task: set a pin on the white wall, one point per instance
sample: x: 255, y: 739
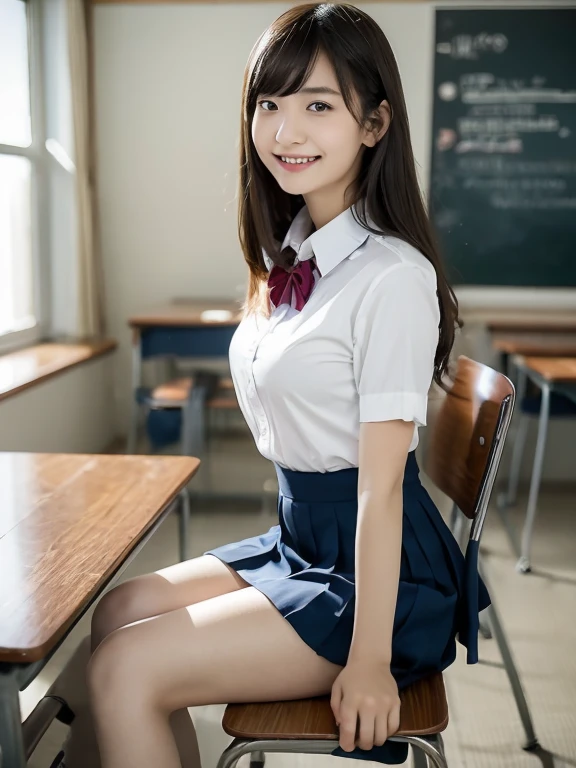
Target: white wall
x: 70, y: 413
x: 168, y: 82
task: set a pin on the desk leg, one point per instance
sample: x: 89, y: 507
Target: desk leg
x: 508, y: 498
x: 136, y: 383
x: 11, y: 741
x: 523, y: 565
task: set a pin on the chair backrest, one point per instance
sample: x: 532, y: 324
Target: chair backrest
x: 467, y: 438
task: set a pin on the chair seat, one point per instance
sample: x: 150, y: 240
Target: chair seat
x: 173, y: 392
x: 225, y: 397
x: 223, y: 400
x: 424, y: 711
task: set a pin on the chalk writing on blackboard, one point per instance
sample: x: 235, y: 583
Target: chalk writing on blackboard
x: 503, y: 183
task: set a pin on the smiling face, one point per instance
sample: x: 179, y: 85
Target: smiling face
x: 309, y: 141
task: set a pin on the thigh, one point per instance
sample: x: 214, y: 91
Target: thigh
x: 235, y: 647
x: 168, y: 589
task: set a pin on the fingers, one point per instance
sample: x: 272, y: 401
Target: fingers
x: 367, y: 728
x: 381, y: 729
x: 366, y: 731
x: 394, y: 718
x: 348, y: 722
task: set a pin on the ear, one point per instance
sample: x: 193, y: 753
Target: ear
x: 377, y: 124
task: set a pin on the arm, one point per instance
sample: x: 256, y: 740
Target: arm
x: 366, y: 690
x: 395, y: 339
x: 383, y: 451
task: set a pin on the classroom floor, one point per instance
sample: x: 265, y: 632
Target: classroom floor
x: 538, y: 612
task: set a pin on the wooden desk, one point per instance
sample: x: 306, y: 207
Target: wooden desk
x: 534, y: 324
x: 551, y: 375
x: 185, y: 313
x: 542, y: 344
x: 551, y: 369
x: 69, y: 525
x: 183, y: 329
x: 523, y: 320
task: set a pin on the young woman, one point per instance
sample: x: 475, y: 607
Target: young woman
x: 360, y: 588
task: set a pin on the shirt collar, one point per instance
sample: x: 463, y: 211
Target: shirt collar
x: 330, y: 244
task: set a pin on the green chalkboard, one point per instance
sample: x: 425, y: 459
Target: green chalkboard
x: 503, y: 171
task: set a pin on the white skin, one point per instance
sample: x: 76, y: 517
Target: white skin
x: 195, y: 633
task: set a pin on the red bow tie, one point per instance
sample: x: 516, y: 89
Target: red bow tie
x: 298, y: 283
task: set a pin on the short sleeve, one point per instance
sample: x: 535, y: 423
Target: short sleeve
x: 395, y: 341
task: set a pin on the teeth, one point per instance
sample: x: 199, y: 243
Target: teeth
x: 297, y: 160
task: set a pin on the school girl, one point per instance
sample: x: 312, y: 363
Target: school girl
x: 360, y: 589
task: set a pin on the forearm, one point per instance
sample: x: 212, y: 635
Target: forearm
x: 378, y: 550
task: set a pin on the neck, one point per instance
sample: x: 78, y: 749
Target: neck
x: 327, y: 203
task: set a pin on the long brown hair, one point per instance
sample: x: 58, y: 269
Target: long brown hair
x: 387, y: 188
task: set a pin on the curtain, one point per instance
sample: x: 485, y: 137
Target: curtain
x: 90, y: 288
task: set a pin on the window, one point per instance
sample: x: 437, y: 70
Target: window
x: 20, y: 172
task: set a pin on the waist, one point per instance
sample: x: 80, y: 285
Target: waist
x: 341, y: 485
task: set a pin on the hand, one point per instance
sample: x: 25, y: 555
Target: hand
x: 366, y: 705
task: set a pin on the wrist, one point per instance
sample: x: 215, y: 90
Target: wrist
x: 373, y: 657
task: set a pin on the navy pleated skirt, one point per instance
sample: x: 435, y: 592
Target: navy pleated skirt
x: 305, y: 566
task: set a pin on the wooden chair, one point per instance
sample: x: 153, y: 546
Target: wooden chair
x: 188, y: 395
x: 464, y: 453
x: 195, y: 397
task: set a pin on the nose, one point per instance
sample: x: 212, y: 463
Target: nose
x: 290, y: 131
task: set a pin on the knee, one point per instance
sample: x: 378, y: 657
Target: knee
x: 122, y: 677
x: 121, y: 606
x: 113, y: 672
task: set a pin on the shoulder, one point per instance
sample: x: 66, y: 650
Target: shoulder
x: 385, y: 259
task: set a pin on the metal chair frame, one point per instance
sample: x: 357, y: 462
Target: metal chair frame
x: 492, y: 628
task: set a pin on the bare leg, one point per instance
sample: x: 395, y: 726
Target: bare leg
x: 150, y: 595
x: 232, y: 648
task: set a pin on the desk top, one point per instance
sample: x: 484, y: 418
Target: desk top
x: 186, y: 313
x: 537, y: 344
x: 533, y: 322
x: 560, y: 369
x: 67, y: 522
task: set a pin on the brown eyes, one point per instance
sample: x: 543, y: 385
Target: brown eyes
x: 270, y: 106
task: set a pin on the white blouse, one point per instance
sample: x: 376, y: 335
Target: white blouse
x: 361, y: 349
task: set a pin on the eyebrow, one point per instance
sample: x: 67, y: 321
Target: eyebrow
x: 321, y: 89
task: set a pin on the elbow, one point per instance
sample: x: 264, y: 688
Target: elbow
x: 383, y: 493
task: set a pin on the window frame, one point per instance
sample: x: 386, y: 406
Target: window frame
x: 39, y: 218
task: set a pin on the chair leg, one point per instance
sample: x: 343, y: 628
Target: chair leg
x: 431, y: 746
x: 136, y: 365
x: 257, y: 760
x: 184, y: 524
x: 511, y: 495
x: 485, y: 629
x: 419, y: 759
x: 523, y: 565
x: 193, y: 425
x: 513, y: 677
x: 234, y: 751
x: 132, y: 441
